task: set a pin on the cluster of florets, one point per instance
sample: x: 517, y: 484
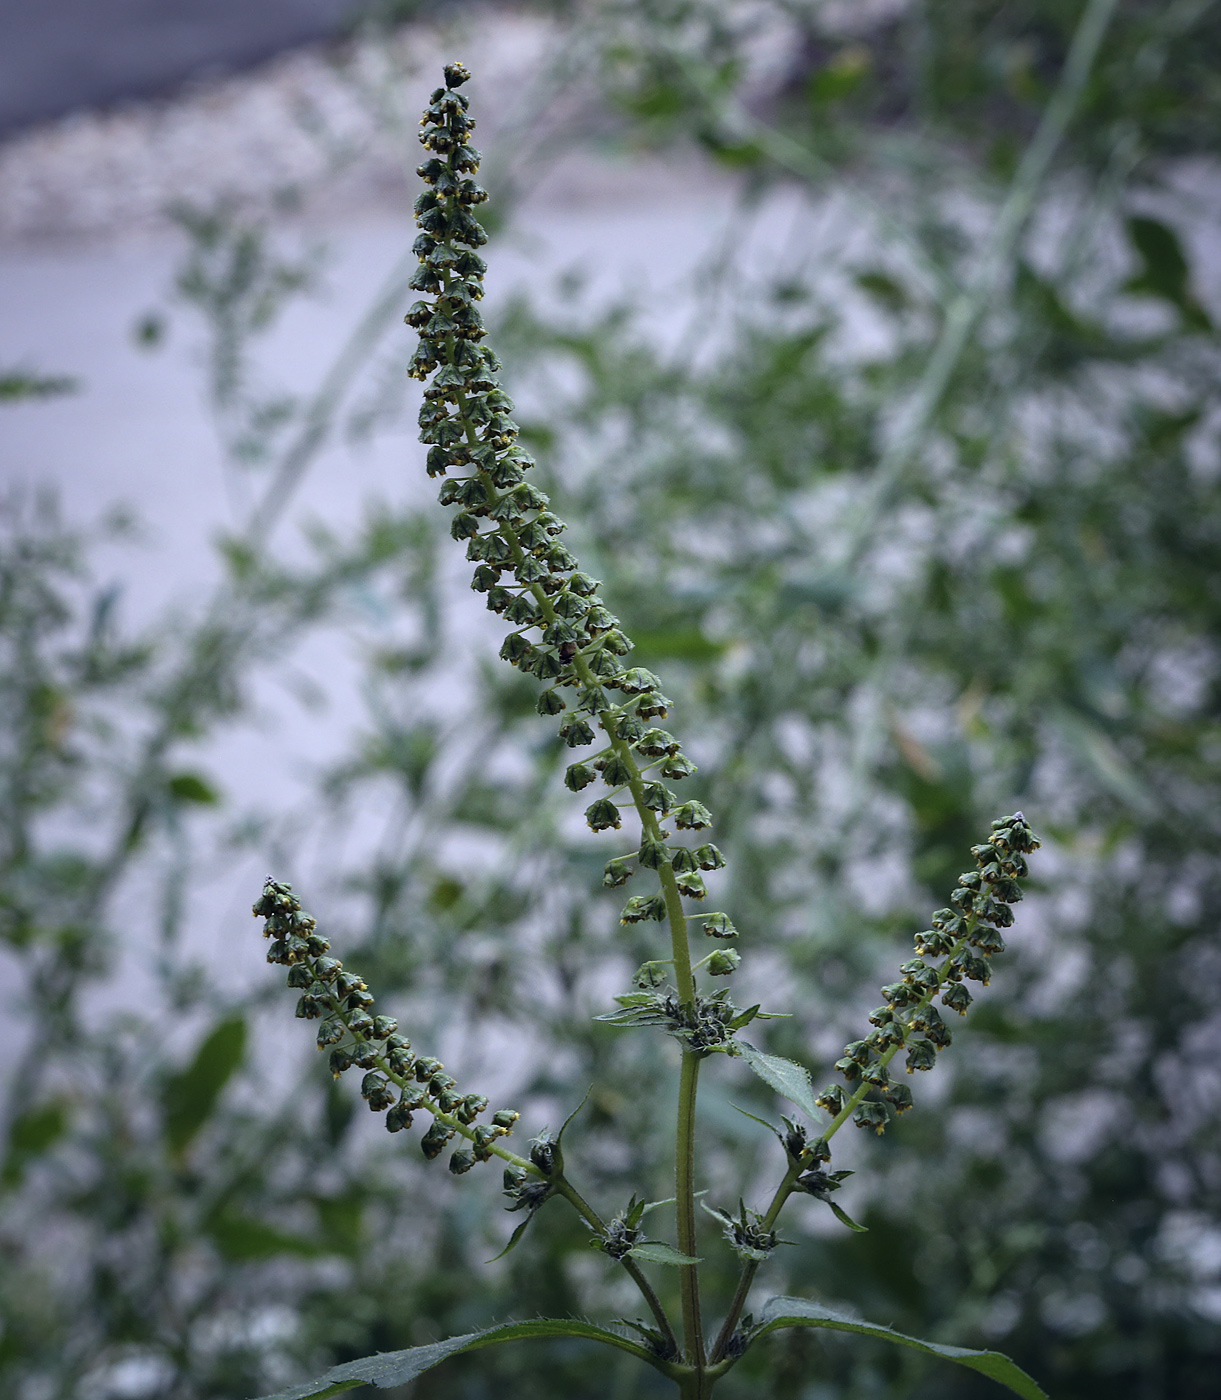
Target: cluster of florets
x: 747, y: 1232
x: 564, y: 635
x: 965, y: 937
x: 397, y: 1081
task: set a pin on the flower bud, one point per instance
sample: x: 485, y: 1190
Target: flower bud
x: 472, y: 1106
x: 505, y: 1118
x: 618, y: 872
x: 461, y: 1162
x: 872, y: 1115
x: 550, y: 702
x: 724, y: 962
x: 677, y: 768
x: 831, y: 1100
x: 603, y: 814
x: 920, y: 1055
x: 653, y: 854
x: 641, y: 907
x: 691, y: 885
x: 398, y: 1118
x: 578, y: 776
x: 657, y: 798
x: 899, y: 1096
x: 719, y: 926
x: 330, y: 1033
x: 650, y: 975
x: 432, y: 1144
x: 957, y: 998
x: 692, y: 816
x: 575, y: 731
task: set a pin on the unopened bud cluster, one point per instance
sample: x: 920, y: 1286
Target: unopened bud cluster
x: 564, y: 634
x: 396, y: 1080
x: 965, y: 938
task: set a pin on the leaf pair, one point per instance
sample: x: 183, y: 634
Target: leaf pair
x: 394, y: 1368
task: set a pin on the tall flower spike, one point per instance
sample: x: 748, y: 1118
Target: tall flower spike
x: 964, y: 937
x: 356, y: 1038
x: 565, y: 635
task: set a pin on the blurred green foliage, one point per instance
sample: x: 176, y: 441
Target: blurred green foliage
x: 1030, y: 617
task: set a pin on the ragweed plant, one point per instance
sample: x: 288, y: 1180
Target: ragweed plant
x: 565, y: 636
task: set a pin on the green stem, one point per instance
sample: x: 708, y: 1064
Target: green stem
x: 566, y: 1189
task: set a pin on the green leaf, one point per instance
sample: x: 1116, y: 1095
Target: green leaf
x: 801, y: 1312
x: 190, y: 787
x: 191, y: 1095
x: 390, y: 1368
x: 785, y: 1076
x: 661, y: 1254
x: 514, y: 1237
x: 845, y: 1219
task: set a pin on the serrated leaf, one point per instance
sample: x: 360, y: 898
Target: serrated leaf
x: 661, y: 1254
x: 785, y: 1076
x: 392, y: 1368
x: 801, y: 1312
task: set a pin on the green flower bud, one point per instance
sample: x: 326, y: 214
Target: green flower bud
x: 691, y: 885
x: 515, y: 648
x: 327, y: 969
x: 360, y: 1022
x: 692, y: 816
x: 398, y: 1118
x: 638, y: 681
x: 578, y: 775
x: 957, y: 998
x: 650, y: 975
x: 618, y: 872
x: 472, y: 1106
x: 677, y: 768
x: 872, y: 1115
x: 505, y: 1118
x: 723, y: 962
x: 683, y: 860
x: 400, y: 1060
x: 876, y: 1074
x: 831, y: 1100
x: 709, y: 858
x: 376, y: 1090
x: 615, y: 772
x: 432, y: 1144
x: 461, y: 1162
x: 330, y: 1033
x: 576, y: 731
x: 550, y: 702
x: 384, y: 1026
x: 654, y: 705
x: 719, y: 926
x: 426, y: 1066
x: 849, y: 1068
x: 658, y: 798
x: 641, y: 907
x: 653, y: 854
x: 920, y: 1055
x: 603, y: 814
x: 899, y: 1096
x: 656, y: 743
x: 340, y: 1060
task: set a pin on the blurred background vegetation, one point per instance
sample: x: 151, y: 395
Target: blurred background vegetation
x: 918, y: 524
